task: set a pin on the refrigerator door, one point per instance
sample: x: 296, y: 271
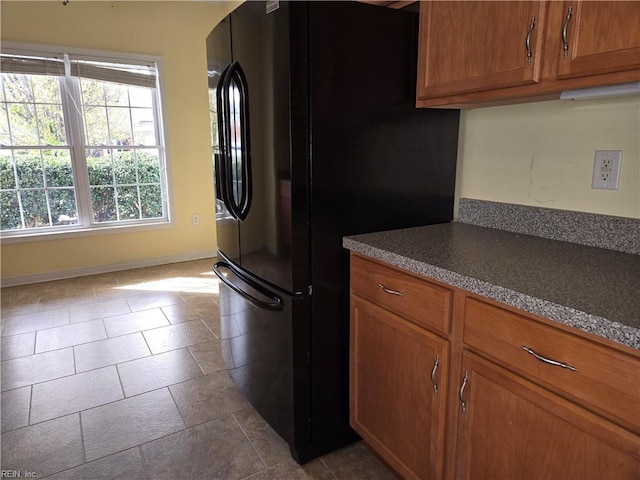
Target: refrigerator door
x: 261, y: 47
x: 218, y: 59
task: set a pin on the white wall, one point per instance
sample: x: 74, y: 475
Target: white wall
x: 542, y: 154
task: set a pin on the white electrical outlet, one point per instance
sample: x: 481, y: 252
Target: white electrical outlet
x: 606, y: 169
x: 195, y: 219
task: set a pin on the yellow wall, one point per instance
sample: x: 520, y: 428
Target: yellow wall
x: 176, y: 31
x: 535, y: 154
x: 542, y: 154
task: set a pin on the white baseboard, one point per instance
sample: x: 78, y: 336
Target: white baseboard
x: 116, y: 267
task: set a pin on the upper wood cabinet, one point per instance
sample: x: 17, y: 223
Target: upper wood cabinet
x: 601, y: 37
x: 475, y: 53
x: 474, y: 46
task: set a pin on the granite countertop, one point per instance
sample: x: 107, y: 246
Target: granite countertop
x: 593, y: 289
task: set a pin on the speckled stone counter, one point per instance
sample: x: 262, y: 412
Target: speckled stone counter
x: 594, y: 230
x: 592, y: 289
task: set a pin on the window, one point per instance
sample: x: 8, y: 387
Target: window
x: 80, y: 143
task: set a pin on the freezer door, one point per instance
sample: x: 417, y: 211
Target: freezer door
x: 259, y: 346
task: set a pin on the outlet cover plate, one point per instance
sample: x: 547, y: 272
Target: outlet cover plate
x: 606, y: 169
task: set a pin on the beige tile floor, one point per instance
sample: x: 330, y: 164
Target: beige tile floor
x: 120, y: 376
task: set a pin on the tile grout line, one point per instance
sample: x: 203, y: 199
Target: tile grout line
x: 124, y: 395
x: 30, y: 405
x: 194, y: 359
x: 209, y: 328
x: 233, y: 415
x: 84, y: 450
x: 328, y: 468
x: 178, y: 408
x: 197, y: 362
x: 144, y: 462
x: 75, y: 366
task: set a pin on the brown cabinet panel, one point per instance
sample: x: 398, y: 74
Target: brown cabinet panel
x: 473, y: 53
x: 601, y: 38
x: 605, y: 379
x: 574, y: 415
x: 514, y: 429
x: 422, y: 302
x: 394, y: 406
x: 473, y: 46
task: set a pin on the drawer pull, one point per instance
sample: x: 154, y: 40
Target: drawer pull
x: 528, y: 40
x: 549, y: 361
x: 463, y: 404
x: 391, y: 292
x: 565, y: 42
x: 433, y: 375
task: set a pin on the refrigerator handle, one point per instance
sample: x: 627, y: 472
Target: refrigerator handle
x: 220, y: 164
x: 217, y: 165
x: 236, y: 134
x: 247, y: 192
x: 276, y: 305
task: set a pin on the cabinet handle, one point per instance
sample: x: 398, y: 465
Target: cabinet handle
x: 565, y: 42
x: 391, y: 292
x: 463, y: 404
x: 549, y: 361
x: 528, y: 41
x: 433, y: 375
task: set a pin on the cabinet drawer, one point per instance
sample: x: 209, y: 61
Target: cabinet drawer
x: 424, y: 303
x: 602, y: 378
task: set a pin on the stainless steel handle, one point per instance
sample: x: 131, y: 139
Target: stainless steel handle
x: 433, y: 375
x: 528, y: 41
x: 565, y: 42
x: 391, y: 292
x: 463, y: 404
x: 549, y: 361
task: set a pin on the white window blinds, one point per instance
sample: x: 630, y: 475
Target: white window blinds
x: 136, y: 74
x: 139, y: 74
x: 32, y: 65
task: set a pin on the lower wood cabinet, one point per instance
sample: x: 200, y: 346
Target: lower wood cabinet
x: 510, y: 427
x: 398, y: 389
x: 501, y: 394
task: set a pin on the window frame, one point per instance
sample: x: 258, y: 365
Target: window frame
x: 77, y: 143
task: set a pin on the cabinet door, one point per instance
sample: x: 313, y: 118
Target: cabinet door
x: 394, y: 405
x: 473, y: 46
x: 514, y: 429
x: 601, y: 37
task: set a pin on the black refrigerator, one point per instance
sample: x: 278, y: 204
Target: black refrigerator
x: 315, y: 136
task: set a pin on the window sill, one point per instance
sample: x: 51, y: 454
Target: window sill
x: 84, y: 232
